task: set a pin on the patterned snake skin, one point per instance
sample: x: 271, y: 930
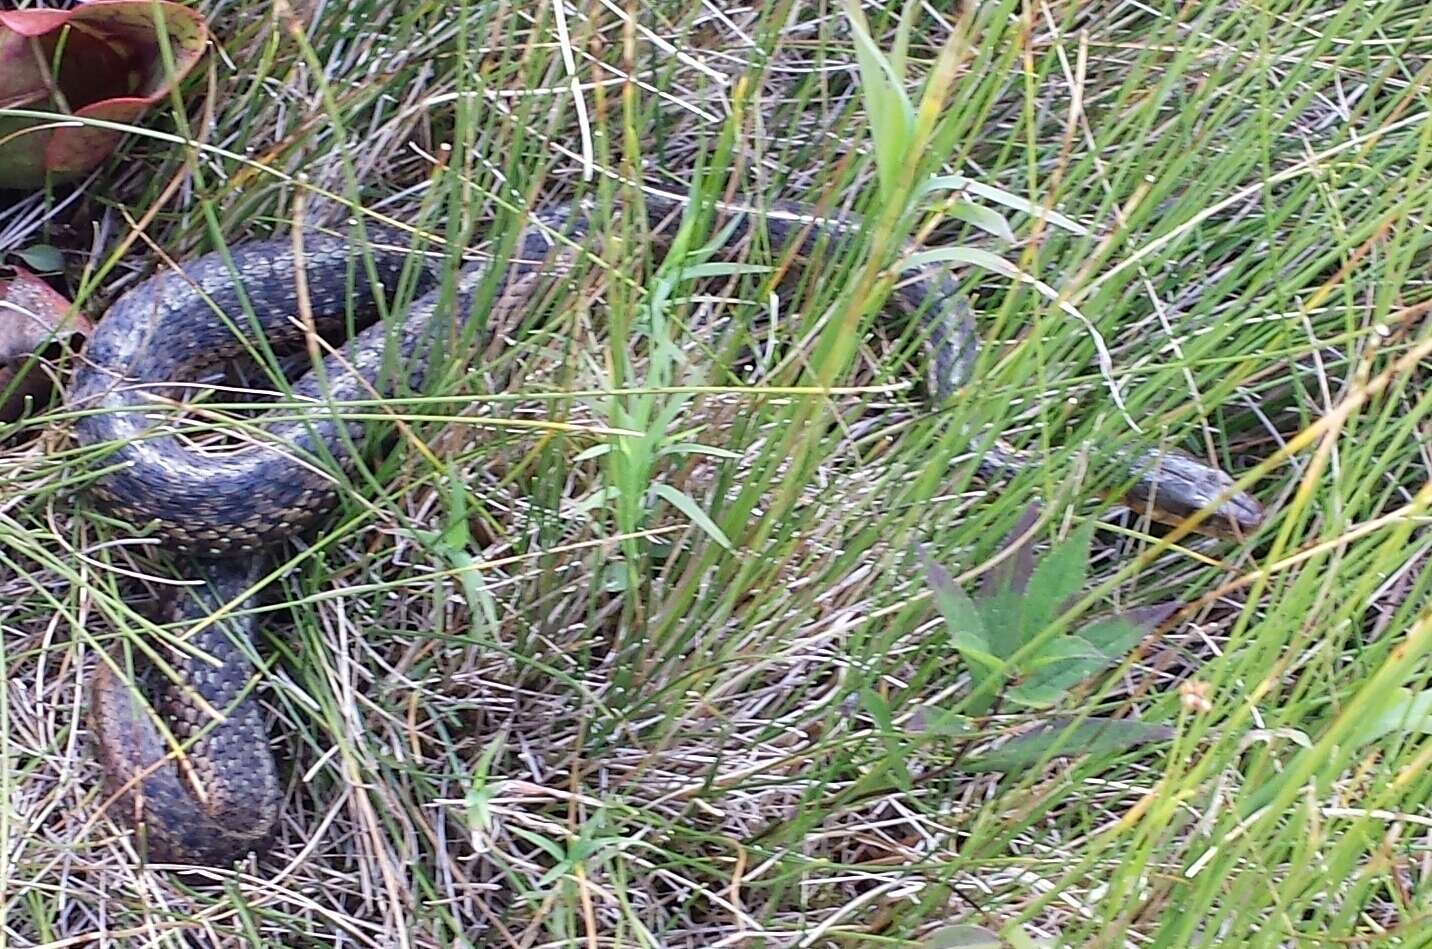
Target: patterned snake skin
x: 218, y: 798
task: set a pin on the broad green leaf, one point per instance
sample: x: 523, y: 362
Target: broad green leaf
x: 1058, y: 576
x: 1403, y: 711
x: 42, y: 258
x: 962, y: 618
x: 1112, y: 637
x: 613, y: 577
x: 1001, y: 618
x: 1069, y: 661
x: 1037, y: 694
x: 961, y: 615
x: 929, y: 720
x: 976, y: 652
x: 1063, y: 737
x: 1016, y: 563
x: 1115, y: 636
x: 1064, y: 649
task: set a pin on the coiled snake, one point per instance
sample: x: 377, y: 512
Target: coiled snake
x: 209, y: 792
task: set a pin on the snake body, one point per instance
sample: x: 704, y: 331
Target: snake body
x: 208, y: 793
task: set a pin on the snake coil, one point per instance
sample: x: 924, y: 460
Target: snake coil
x: 208, y: 792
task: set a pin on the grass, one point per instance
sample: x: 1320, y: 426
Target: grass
x: 525, y: 696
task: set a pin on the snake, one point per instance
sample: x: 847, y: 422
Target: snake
x: 187, y: 763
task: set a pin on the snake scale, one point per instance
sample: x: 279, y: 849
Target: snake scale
x: 208, y: 792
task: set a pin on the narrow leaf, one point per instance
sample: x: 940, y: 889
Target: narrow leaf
x: 986, y: 219
x: 693, y: 512
x: 887, y: 105
x: 1093, y: 736
x: 878, y: 708
x: 596, y: 499
x: 480, y: 791
x: 900, y: 51
x: 893, y: 768
x: 963, y: 937
x: 696, y: 448
x: 722, y: 269
x: 1004, y: 198
x: 985, y: 260
x: 596, y: 451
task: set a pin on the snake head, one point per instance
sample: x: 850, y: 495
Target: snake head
x: 1173, y: 485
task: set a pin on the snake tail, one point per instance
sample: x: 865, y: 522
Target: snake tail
x: 179, y: 792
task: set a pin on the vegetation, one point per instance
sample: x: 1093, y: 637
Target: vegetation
x: 647, y: 632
